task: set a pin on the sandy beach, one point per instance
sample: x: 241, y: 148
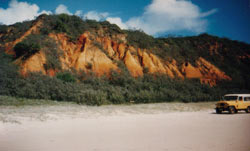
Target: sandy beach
x: 151, y: 127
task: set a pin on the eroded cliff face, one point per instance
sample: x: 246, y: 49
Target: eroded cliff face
x: 205, y: 71
x: 100, y: 54
x: 35, y: 63
x: 84, y: 55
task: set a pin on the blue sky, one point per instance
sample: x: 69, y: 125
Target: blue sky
x: 224, y: 18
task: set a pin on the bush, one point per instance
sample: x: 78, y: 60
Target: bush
x: 16, y: 30
x: 26, y: 49
x: 66, y: 77
x: 91, y: 97
x: 116, y: 95
x: 140, y: 39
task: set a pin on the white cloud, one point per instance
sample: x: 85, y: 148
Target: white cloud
x: 117, y: 21
x: 162, y: 16
x: 45, y: 12
x: 78, y: 13
x: 170, y: 15
x: 18, y: 12
x: 96, y: 15
x: 208, y: 13
x: 62, y: 9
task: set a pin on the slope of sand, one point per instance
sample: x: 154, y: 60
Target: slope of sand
x: 152, y: 127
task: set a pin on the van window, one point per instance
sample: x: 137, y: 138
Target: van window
x: 240, y: 98
x: 230, y: 98
x: 247, y: 98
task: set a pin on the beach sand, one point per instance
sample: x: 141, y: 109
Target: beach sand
x: 152, y: 127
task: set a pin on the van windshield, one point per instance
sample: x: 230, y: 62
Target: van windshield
x: 230, y: 98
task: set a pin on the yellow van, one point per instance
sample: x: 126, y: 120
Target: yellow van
x: 233, y: 103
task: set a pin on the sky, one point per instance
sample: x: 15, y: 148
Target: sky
x: 223, y: 18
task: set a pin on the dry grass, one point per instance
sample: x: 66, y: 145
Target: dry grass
x: 46, y: 110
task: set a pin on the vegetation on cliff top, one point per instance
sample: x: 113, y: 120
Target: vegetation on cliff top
x: 74, y: 26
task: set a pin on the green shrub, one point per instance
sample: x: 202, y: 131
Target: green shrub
x: 12, y: 32
x: 66, y: 77
x: 94, y: 98
x: 60, y: 26
x: 44, y: 31
x: 3, y: 29
x: 26, y: 49
x: 111, y: 28
x: 140, y: 39
x: 116, y: 95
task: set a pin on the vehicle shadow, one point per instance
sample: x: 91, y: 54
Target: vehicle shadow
x: 227, y: 113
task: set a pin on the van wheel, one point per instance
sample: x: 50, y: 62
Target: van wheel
x: 248, y: 109
x: 218, y: 111
x: 232, y: 109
